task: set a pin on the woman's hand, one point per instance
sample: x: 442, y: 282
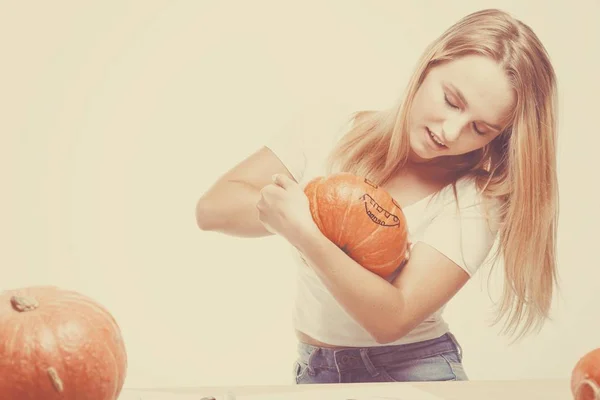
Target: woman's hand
x: 284, y: 210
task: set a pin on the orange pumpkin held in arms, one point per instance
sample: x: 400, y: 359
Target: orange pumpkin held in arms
x: 362, y: 219
x: 585, y: 378
x: 58, y: 344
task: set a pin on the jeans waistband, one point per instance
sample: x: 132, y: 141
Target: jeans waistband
x: 353, y: 357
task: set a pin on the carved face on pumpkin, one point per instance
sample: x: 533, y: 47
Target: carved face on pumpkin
x: 461, y: 106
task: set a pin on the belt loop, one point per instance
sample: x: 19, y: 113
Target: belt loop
x: 313, y: 352
x: 364, y: 355
x: 457, y: 344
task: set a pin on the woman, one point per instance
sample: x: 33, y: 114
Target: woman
x: 469, y: 154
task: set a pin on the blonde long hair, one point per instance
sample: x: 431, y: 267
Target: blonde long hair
x: 518, y: 168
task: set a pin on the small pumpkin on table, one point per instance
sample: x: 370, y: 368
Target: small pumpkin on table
x: 58, y: 344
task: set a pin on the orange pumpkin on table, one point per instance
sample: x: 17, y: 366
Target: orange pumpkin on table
x: 58, y: 344
x: 585, y: 377
x: 362, y: 219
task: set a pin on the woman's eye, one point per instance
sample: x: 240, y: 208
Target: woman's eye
x: 449, y: 103
x: 477, y: 130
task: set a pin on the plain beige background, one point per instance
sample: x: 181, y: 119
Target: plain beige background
x: 115, y: 116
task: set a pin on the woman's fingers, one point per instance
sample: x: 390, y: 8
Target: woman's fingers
x: 283, y: 181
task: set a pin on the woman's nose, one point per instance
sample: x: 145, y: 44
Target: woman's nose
x: 453, y: 127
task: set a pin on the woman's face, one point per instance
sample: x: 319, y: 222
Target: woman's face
x: 461, y: 106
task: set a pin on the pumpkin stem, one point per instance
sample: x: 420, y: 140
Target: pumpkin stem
x: 56, y: 381
x: 23, y: 303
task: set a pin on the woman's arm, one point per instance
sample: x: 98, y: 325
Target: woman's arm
x: 229, y: 206
x: 386, y: 310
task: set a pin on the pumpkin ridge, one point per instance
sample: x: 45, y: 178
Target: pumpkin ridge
x: 316, y: 197
x: 85, y: 306
x: 313, y: 201
x: 368, y: 237
x: 392, y: 265
x: 378, y: 251
x: 379, y: 227
x: 99, y: 309
x: 113, y: 367
x: 375, y: 231
x: 65, y: 377
x: 341, y: 231
x: 16, y: 336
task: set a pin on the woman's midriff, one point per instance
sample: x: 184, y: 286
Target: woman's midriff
x: 304, y: 338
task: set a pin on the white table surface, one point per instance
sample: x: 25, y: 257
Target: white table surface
x: 552, y: 389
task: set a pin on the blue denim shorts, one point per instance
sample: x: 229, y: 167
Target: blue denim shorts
x: 437, y: 359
